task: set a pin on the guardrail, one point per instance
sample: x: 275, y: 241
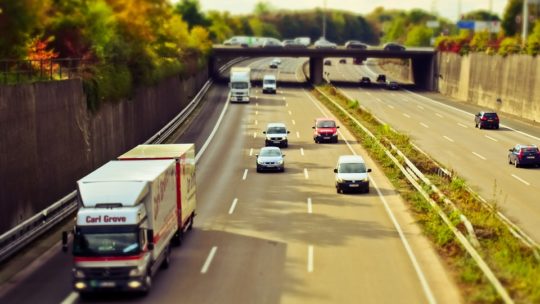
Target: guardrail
x: 24, y: 233
x: 413, y: 175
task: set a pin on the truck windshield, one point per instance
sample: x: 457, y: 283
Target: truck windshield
x: 106, y: 241
x: 239, y: 85
x: 269, y: 81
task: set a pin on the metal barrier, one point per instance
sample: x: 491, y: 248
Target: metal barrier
x: 24, y: 233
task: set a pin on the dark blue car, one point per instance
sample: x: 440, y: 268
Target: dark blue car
x: 524, y: 155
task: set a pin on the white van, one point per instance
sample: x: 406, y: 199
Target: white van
x: 351, y: 174
x: 269, y: 84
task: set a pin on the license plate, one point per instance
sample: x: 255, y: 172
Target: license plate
x: 107, y: 284
x: 353, y: 185
x: 327, y: 137
x: 530, y: 157
x: 276, y: 141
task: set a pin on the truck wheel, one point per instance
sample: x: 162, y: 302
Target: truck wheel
x: 167, y: 260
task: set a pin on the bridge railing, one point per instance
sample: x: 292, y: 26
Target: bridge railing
x: 21, y: 71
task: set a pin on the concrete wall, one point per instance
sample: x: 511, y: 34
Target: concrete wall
x: 48, y: 139
x: 482, y: 79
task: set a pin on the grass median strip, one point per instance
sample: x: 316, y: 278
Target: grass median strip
x: 514, y: 264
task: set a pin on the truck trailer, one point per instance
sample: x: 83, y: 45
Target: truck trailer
x: 240, y: 84
x: 184, y: 157
x: 125, y: 225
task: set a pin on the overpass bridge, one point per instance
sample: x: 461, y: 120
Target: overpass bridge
x: 423, y: 60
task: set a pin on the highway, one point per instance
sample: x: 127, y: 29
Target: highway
x: 277, y: 237
x: 445, y: 130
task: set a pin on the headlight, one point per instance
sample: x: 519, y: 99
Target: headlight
x: 136, y: 272
x: 259, y: 162
x: 77, y: 273
x: 280, y: 162
x: 339, y: 180
x: 365, y: 179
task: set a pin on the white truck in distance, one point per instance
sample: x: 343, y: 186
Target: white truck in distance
x: 124, y: 226
x: 240, y: 84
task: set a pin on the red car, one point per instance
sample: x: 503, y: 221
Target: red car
x: 325, y: 130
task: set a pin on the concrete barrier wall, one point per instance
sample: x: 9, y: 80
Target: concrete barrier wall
x: 506, y: 84
x: 48, y: 139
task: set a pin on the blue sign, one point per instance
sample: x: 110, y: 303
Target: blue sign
x: 465, y: 24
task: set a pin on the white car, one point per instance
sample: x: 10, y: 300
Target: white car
x: 270, y: 159
x: 269, y: 84
x: 351, y: 174
x: 322, y: 43
x: 276, y: 135
x: 275, y: 63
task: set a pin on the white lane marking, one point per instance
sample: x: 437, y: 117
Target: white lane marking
x: 297, y: 134
x: 209, y: 259
x: 521, y: 180
x: 283, y: 98
x: 245, y: 174
x: 393, y: 94
x: 256, y: 112
x: 290, y: 112
x: 72, y: 298
x: 310, y: 258
x: 286, y: 104
x: 309, y: 205
x: 489, y: 137
x: 256, y: 97
x: 251, y: 152
x: 480, y: 156
x: 391, y: 106
x: 254, y: 134
x: 231, y: 210
x: 448, y: 138
x: 369, y: 94
x: 462, y: 125
x: 424, y: 125
x: 256, y: 104
x: 213, y: 133
x: 256, y: 122
x: 306, y: 175
x: 378, y: 99
x: 421, y: 277
x: 439, y: 115
x: 420, y: 107
x: 406, y: 115
x: 293, y: 122
x: 302, y: 151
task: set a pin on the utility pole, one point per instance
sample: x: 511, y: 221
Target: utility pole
x: 525, y: 18
x: 324, y: 20
x: 459, y: 10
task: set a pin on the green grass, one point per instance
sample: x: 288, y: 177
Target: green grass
x: 513, y: 263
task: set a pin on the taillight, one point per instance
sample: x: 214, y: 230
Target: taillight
x: 520, y: 154
x: 483, y: 118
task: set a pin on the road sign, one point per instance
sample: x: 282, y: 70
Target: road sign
x: 432, y: 24
x: 466, y: 24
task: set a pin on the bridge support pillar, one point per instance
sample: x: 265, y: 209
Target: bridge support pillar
x: 212, y: 67
x: 425, y: 73
x: 316, y: 70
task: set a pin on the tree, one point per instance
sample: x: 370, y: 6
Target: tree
x: 480, y: 41
x: 509, y: 45
x: 533, y: 42
x: 262, y: 8
x: 512, y: 17
x: 481, y: 15
x: 190, y: 11
x: 419, y: 35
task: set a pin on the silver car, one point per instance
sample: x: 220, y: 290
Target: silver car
x: 270, y: 159
x: 322, y: 43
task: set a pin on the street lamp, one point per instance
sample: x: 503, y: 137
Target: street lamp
x: 525, y: 19
x: 324, y: 20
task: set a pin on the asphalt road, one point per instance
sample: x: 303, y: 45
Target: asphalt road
x: 277, y: 237
x: 444, y: 128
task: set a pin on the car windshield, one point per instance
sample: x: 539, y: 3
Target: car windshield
x: 490, y: 115
x: 326, y: 124
x: 270, y: 152
x: 239, y: 85
x: 530, y: 150
x: 273, y: 130
x: 352, y: 168
x: 106, y: 241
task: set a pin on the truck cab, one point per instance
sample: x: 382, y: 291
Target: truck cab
x: 269, y: 84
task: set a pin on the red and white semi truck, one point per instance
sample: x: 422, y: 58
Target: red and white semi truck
x: 125, y: 225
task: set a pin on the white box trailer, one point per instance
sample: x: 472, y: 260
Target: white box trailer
x: 240, y: 84
x: 125, y: 225
x: 184, y: 157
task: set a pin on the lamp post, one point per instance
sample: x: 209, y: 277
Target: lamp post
x: 525, y: 18
x: 324, y: 20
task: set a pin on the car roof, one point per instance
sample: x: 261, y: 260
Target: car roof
x: 350, y: 159
x: 275, y: 124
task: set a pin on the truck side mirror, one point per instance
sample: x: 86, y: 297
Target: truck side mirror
x: 150, y: 238
x: 288, y: 132
x: 64, y: 241
x: 335, y: 170
x: 313, y: 127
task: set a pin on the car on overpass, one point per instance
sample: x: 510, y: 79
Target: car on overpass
x: 272, y: 43
x: 486, y: 120
x: 524, y: 155
x: 322, y: 43
x: 293, y: 44
x: 392, y: 85
x: 328, y: 62
x: 355, y: 44
x: 270, y: 159
x: 392, y: 46
x: 365, y: 81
